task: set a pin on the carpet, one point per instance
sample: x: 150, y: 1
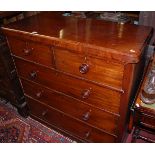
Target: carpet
x: 16, y: 129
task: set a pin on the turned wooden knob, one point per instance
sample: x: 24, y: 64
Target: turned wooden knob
x: 33, y: 74
x: 84, y: 68
x: 87, y: 134
x: 39, y: 94
x: 27, y: 51
x: 86, y: 116
x: 44, y: 112
x: 85, y: 93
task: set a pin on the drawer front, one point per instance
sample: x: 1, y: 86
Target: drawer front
x: 100, y: 71
x: 98, y: 96
x: 75, y: 108
x: 148, y: 120
x: 32, y: 51
x: 67, y: 124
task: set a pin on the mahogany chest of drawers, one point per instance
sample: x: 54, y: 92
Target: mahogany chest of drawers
x: 10, y: 88
x: 79, y: 75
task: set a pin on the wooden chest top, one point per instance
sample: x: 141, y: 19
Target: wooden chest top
x: 94, y: 37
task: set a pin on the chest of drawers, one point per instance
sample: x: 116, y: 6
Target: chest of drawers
x: 79, y: 75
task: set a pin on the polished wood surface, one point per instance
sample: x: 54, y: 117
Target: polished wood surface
x: 69, y: 124
x: 86, y: 69
x: 72, y: 107
x: 98, y: 70
x: 116, y: 42
x: 32, y: 51
x: 99, y: 96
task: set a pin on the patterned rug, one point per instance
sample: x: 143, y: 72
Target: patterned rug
x: 15, y: 129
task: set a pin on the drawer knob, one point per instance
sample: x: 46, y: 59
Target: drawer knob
x: 84, y: 68
x: 44, y: 112
x: 86, y: 116
x: 86, y: 93
x: 27, y: 51
x: 39, y: 94
x: 87, y: 134
x: 33, y: 74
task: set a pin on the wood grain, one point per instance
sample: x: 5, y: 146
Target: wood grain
x: 82, y: 65
x: 73, y: 87
x: 32, y: 51
x: 94, y: 37
x: 72, y: 126
x: 72, y: 107
x: 100, y: 71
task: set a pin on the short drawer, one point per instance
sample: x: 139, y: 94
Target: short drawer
x: 32, y: 51
x: 68, y: 124
x: 101, y: 71
x: 73, y: 107
x: 101, y: 97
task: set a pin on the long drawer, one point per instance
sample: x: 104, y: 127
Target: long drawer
x: 96, y: 95
x: 32, y: 51
x: 75, y: 108
x: 101, y: 71
x: 68, y: 124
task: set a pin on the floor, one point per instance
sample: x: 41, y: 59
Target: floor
x: 16, y: 129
